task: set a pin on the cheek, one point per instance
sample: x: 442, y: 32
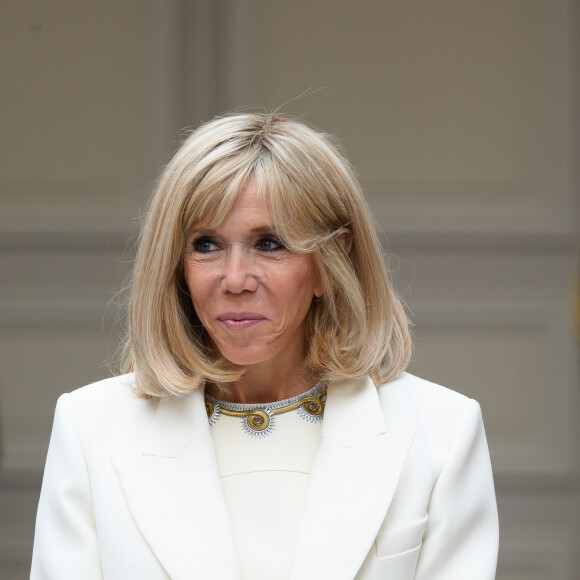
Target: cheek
x: 308, y: 278
x: 199, y: 284
x: 298, y: 287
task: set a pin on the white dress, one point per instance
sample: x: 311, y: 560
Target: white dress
x: 264, y: 476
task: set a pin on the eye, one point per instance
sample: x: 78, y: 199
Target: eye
x: 269, y: 244
x: 204, y: 245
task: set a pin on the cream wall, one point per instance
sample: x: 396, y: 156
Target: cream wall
x: 461, y: 118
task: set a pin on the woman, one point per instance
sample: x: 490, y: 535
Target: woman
x: 265, y: 428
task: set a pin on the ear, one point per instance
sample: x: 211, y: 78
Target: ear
x: 344, y: 236
x: 318, y: 289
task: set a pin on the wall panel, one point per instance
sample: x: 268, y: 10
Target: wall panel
x: 456, y: 113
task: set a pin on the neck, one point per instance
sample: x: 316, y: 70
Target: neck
x: 264, y: 386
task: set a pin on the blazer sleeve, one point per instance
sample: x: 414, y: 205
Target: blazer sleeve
x: 461, y: 540
x: 65, y: 541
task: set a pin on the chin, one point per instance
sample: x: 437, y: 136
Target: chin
x: 244, y: 358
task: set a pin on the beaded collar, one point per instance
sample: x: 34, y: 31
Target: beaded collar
x: 258, y: 420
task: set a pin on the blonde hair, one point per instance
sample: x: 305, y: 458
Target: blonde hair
x: 357, y: 328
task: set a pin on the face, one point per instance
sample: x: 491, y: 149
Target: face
x: 251, y: 293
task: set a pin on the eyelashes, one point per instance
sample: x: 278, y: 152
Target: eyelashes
x: 266, y: 244
x: 269, y: 244
x: 204, y: 245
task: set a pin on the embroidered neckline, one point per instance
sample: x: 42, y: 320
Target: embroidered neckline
x: 258, y: 420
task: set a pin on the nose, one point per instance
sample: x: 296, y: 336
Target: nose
x: 238, y: 276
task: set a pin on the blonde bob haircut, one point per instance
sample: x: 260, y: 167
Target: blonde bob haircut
x: 357, y: 328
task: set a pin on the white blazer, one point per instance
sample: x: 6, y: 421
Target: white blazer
x: 401, y: 489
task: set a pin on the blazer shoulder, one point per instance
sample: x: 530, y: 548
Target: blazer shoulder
x: 431, y: 409
x: 422, y: 390
x: 110, y: 398
x: 118, y: 387
x: 107, y: 412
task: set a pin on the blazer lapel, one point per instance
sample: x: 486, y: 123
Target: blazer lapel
x: 174, y: 493
x: 353, y: 479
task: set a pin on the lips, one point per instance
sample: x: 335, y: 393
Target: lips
x: 240, y: 320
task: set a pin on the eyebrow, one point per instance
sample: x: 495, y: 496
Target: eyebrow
x: 263, y: 229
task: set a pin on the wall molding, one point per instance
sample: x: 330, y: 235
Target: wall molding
x: 533, y: 434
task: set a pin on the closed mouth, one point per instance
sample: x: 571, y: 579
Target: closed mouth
x: 240, y: 320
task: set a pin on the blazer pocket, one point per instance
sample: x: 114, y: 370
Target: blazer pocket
x: 391, y: 542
